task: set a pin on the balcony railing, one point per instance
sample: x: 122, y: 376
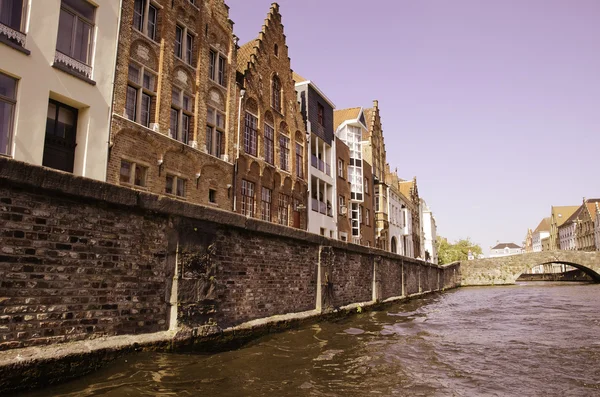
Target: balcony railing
x: 74, y: 64
x: 320, y: 165
x: 12, y: 34
x: 322, y: 207
x: 327, y: 169
x: 313, y: 161
x: 315, y: 205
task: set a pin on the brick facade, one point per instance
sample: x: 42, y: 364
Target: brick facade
x: 270, y: 103
x: 343, y: 188
x: 175, y: 82
x: 368, y: 227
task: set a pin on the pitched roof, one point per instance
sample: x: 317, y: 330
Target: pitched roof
x: 501, y: 246
x: 298, y: 78
x: 592, y: 210
x: 368, y: 116
x: 406, y: 187
x: 563, y: 213
x: 339, y: 116
x: 244, y: 54
x: 544, y: 226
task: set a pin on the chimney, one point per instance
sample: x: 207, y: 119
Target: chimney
x: 375, y: 103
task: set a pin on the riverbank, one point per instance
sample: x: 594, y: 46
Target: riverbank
x: 36, y: 367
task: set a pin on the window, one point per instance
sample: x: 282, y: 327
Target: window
x: 340, y: 168
x: 276, y: 94
x: 276, y: 50
x: 299, y: 161
x: 320, y: 112
x: 284, y: 152
x: 175, y: 185
x: 284, y: 204
x: 11, y: 16
x: 141, y: 90
x: 184, y: 44
x: 181, y: 115
x: 215, y: 131
x: 144, y: 18
x: 132, y: 174
x: 265, y: 205
x: 75, y: 35
x: 342, y: 203
x: 212, y: 196
x: 61, y: 134
x: 360, y: 214
x: 367, y: 217
x: 250, y: 134
x: 8, y: 100
x: 269, y: 144
x: 216, y: 67
x: 247, y: 198
x: 366, y: 186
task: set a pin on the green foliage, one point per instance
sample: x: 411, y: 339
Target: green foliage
x: 459, y: 251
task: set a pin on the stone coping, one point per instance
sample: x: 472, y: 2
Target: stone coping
x: 42, y: 179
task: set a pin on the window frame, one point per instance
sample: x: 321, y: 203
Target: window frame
x: 182, y: 113
x: 18, y: 35
x: 284, y: 152
x: 283, y: 209
x: 141, y: 90
x: 175, y: 185
x: 217, y: 67
x: 269, y: 143
x: 340, y: 168
x: 215, y: 139
x: 248, y: 200
x: 133, y: 172
x: 78, y: 18
x: 184, y: 48
x: 266, y: 202
x: 276, y: 93
x: 145, y: 19
x: 12, y: 102
x: 299, y: 160
x: 250, y: 134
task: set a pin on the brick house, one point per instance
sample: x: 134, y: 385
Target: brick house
x: 344, y: 229
x: 174, y: 108
x: 374, y: 153
x: 270, y: 176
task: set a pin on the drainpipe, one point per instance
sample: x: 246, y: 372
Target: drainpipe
x: 237, y: 155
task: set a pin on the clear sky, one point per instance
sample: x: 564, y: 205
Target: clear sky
x: 493, y: 105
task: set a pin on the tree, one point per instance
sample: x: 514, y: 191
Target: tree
x: 459, y: 251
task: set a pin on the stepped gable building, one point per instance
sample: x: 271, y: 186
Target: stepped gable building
x: 57, y: 61
x: 270, y: 177
x: 374, y: 153
x: 174, y: 108
x: 410, y: 190
x: 585, y: 225
x: 317, y: 112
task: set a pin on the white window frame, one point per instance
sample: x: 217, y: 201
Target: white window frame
x: 11, y: 122
x: 12, y: 32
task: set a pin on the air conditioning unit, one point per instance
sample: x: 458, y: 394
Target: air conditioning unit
x: 343, y: 210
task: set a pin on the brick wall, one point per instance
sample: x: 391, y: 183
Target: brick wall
x: 81, y: 259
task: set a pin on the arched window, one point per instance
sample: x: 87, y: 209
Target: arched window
x: 394, y: 248
x: 276, y: 50
x: 276, y: 94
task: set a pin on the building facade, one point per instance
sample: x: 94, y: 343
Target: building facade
x: 350, y: 125
x: 174, y: 112
x: 558, y: 216
x: 429, y: 236
x: 57, y: 64
x: 528, y: 243
x: 317, y: 112
x: 343, y: 191
x: 585, y: 232
x: 410, y: 190
x: 541, y: 232
x: 271, y: 165
x: 505, y: 249
x: 374, y: 153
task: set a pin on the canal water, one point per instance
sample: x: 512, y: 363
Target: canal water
x: 531, y: 339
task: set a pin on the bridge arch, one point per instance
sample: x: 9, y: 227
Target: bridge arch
x: 506, y: 269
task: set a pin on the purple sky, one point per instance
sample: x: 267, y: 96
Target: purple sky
x: 493, y: 105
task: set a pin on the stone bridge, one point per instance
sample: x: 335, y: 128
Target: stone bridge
x: 506, y: 269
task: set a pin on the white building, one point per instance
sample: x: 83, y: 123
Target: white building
x: 395, y: 221
x: 429, y: 233
x: 505, y: 249
x: 541, y: 232
x: 406, y: 226
x: 317, y: 111
x: 597, y: 228
x: 350, y: 131
x: 57, y: 66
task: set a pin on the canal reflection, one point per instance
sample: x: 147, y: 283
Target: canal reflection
x: 536, y: 339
